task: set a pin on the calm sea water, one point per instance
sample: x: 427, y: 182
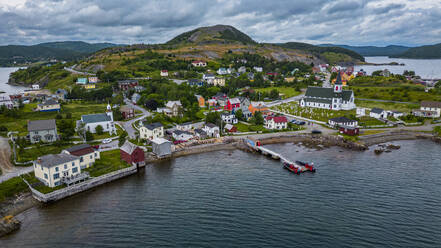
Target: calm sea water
x: 237, y: 199
x: 4, y: 77
x: 426, y: 68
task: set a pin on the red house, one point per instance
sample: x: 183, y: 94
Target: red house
x: 351, y: 131
x: 232, y: 104
x: 132, y: 154
x: 127, y: 84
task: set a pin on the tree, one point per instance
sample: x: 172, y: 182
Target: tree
x: 99, y: 129
x: 213, y: 117
x: 66, y: 128
x: 377, y: 73
x: 257, y: 118
x: 274, y: 94
x: 89, y: 136
x: 151, y: 104
x: 239, y: 114
x: 122, y: 138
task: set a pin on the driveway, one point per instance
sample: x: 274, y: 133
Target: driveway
x: 127, y: 125
x: 8, y: 169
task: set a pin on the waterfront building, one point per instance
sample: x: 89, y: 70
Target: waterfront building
x: 42, y: 130
x: 55, y: 169
x: 182, y: 135
x: 201, y: 134
x: 276, y: 122
x: 132, y: 154
x: 229, y: 118
x: 351, y: 131
x: 329, y: 98
x: 161, y: 147
x: 429, y: 109
x: 151, y: 130
x: 105, y: 120
x: 187, y: 126
x: 211, y: 130
x: 378, y: 113
x: 48, y: 105
x: 86, y: 153
x: 342, y: 121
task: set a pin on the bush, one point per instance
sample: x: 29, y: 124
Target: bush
x: 99, y: 130
x: 3, y: 129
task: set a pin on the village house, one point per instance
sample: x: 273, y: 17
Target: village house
x: 201, y: 101
x: 187, y: 126
x: 6, y: 101
x: 61, y: 94
x: 208, y: 77
x: 276, y: 122
x: 151, y: 131
x: 175, y: 108
x: 182, y: 135
x: 195, y: 82
x: 42, y: 130
x: 48, y: 105
x: 218, y: 81
x: 164, y: 73
x: 230, y: 128
x: 378, y: 113
x: 229, y: 118
x: 127, y: 112
x: 242, y: 69
x: 360, y: 112
x: 223, y: 71
x: 35, y: 87
x: 55, y: 169
x: 211, y: 102
x: 199, y: 63
x: 132, y: 154
x: 127, y: 84
x: 221, y: 99
x: 200, y: 134
x: 135, y: 98
x: 329, y: 98
x: 429, y: 109
x: 105, y: 120
x: 93, y: 80
x: 258, y: 69
x: 342, y: 121
x: 257, y: 107
x: 233, y: 104
x: 85, y: 152
x: 161, y: 147
x: 81, y: 81
x: 139, y: 88
x: 211, y: 130
x: 89, y: 86
x: 395, y: 114
x: 351, y: 131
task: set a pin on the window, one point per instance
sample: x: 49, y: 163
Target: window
x: 81, y: 160
x: 73, y: 164
x: 45, y: 176
x: 56, y: 176
x: 90, y: 156
x: 74, y: 169
x: 57, y: 183
x: 96, y: 155
x: 65, y: 166
x: 56, y: 168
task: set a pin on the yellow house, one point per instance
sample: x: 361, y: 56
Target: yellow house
x: 49, y: 105
x: 201, y: 101
x: 289, y: 79
x: 89, y: 86
x: 54, y: 169
x: 85, y: 152
x: 219, y: 81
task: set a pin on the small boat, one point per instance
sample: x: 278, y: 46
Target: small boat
x: 309, y: 167
x: 291, y: 168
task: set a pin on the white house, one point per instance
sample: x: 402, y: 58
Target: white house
x: 429, y: 109
x: 276, y: 122
x: 208, y: 77
x: 182, y: 135
x: 395, y: 114
x: 164, y: 73
x: 378, y: 113
x: 361, y: 111
x: 218, y: 81
x: 342, y: 121
x: 211, y: 130
x: 222, y: 71
x: 199, y: 63
x: 258, y: 69
x: 242, y: 69
x: 329, y: 98
x: 35, y: 87
x: 105, y: 120
x: 85, y: 152
x: 151, y: 131
x: 187, y: 126
x: 229, y: 118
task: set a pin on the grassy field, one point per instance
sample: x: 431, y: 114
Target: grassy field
x: 286, y: 91
x: 313, y: 113
x: 369, y: 121
x: 370, y: 132
x: 37, y: 151
x: 38, y: 185
x: 109, y: 161
x: 402, y: 93
x: 402, y: 107
x: 26, y: 114
x: 249, y: 128
x: 12, y: 187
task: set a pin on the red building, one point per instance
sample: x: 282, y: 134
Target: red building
x: 127, y: 84
x: 127, y: 112
x: 351, y: 131
x: 232, y: 104
x: 132, y: 154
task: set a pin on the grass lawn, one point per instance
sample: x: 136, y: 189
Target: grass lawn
x: 369, y: 121
x: 286, y: 91
x: 402, y: 107
x: 77, y: 109
x: 401, y: 92
x: 38, y: 185
x: 37, y: 151
x: 370, y: 132
x: 12, y: 187
x: 106, y: 135
x: 324, y: 115
x: 248, y: 128
x: 109, y: 161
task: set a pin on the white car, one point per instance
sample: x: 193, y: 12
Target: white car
x: 106, y: 141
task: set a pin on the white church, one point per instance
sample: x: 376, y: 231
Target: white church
x: 104, y: 120
x: 329, y: 98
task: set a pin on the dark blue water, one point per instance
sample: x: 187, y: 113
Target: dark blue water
x: 237, y: 199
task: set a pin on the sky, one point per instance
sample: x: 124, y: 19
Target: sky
x: 352, y: 22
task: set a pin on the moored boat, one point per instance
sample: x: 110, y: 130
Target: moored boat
x: 308, y: 166
x: 291, y: 168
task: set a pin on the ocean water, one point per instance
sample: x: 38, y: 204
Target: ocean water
x: 426, y: 68
x: 238, y: 199
x: 4, y: 77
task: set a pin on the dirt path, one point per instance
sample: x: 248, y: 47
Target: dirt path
x: 5, y: 156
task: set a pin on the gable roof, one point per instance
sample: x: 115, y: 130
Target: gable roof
x: 39, y: 125
x: 338, y: 80
x: 377, y: 110
x: 234, y: 100
x: 92, y: 118
x: 55, y: 159
x: 128, y: 147
x: 151, y: 126
x: 80, y: 150
x: 170, y: 104
x: 342, y: 119
x: 210, y: 125
x: 327, y: 93
x: 48, y: 102
x: 277, y: 119
x: 430, y: 104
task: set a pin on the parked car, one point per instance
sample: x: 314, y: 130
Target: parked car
x: 301, y: 123
x: 315, y: 131
x: 107, y: 141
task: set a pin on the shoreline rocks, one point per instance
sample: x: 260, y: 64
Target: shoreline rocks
x: 9, y: 224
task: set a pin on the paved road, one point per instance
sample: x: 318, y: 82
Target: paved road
x: 379, y: 100
x: 127, y: 125
x: 287, y: 100
x: 69, y: 69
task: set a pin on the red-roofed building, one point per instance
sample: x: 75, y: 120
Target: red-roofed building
x: 276, y: 122
x: 199, y: 63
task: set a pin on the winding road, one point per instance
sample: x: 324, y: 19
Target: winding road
x: 127, y: 125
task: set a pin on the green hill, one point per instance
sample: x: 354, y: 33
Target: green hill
x: 78, y: 46
x: 391, y: 50
x: 422, y: 52
x: 212, y: 34
x: 325, y: 52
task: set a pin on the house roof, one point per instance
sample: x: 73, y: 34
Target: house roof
x: 234, y: 100
x: 338, y: 80
x: 80, y: 150
x: 210, y: 125
x: 41, y: 125
x: 342, y: 119
x: 55, y: 159
x: 327, y: 93
x: 151, y: 126
x: 128, y: 147
x: 430, y: 104
x: 186, y: 123
x: 200, y: 131
x: 127, y: 81
x: 229, y: 126
x: 93, y: 118
x: 160, y: 141
x: 49, y: 102
x: 179, y: 132
x: 170, y: 104
x: 318, y: 100
x: 277, y: 119
x: 125, y: 108
x: 377, y: 110
x: 226, y: 114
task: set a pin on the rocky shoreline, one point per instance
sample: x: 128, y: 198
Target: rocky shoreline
x: 12, y: 207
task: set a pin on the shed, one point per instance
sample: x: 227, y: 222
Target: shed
x: 351, y: 131
x: 161, y: 147
x: 132, y: 154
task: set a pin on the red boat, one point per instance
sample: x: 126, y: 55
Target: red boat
x: 309, y: 167
x: 291, y: 168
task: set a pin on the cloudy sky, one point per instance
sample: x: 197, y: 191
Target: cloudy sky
x: 354, y: 22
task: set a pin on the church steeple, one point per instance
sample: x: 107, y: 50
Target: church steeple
x: 109, y: 111
x: 338, y: 86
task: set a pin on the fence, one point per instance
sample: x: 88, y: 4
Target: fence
x: 83, y: 186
